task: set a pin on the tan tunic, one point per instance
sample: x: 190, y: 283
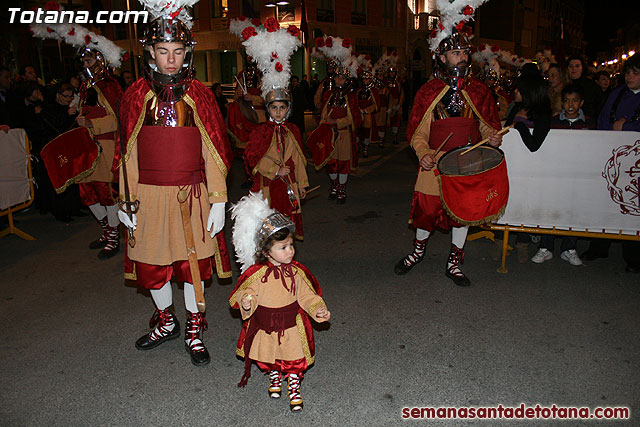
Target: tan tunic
x: 381, y: 115
x: 102, y: 125
x: 159, y: 234
x: 344, y: 122
x: 265, y: 347
x: 427, y: 183
x: 272, y: 160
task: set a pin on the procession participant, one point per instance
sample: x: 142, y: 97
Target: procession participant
x: 174, y: 165
x: 395, y: 98
x: 368, y: 100
x: 100, y: 94
x: 248, y: 108
x: 341, y: 112
x: 452, y: 102
x: 274, y: 153
x: 380, y: 117
x: 277, y: 297
x: 327, y: 84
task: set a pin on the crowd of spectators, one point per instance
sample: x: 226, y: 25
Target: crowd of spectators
x: 45, y: 112
x: 570, y: 99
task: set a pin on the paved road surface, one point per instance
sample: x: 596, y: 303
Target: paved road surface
x: 541, y: 334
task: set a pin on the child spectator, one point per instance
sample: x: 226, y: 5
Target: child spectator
x: 571, y: 117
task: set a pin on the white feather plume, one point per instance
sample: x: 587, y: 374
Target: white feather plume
x: 451, y: 14
x: 170, y: 9
x: 237, y: 26
x: 268, y: 49
x: 486, y: 54
x: 248, y: 214
x: 76, y: 35
x: 386, y: 61
x: 364, y: 63
x: 336, y: 51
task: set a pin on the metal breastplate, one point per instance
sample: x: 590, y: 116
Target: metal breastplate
x: 169, y: 115
x: 452, y: 106
x: 338, y: 99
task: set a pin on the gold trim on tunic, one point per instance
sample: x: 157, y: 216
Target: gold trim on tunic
x: 205, y: 136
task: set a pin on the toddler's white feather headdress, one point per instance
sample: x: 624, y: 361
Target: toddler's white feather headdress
x: 255, y: 221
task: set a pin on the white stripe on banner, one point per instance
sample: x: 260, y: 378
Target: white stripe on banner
x: 583, y: 179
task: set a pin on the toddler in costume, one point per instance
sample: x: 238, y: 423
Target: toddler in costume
x: 276, y: 297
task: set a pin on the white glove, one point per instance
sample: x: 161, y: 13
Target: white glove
x: 128, y: 222
x: 215, y: 223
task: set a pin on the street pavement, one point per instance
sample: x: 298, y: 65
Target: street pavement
x: 540, y: 334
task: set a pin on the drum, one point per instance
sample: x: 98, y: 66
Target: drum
x: 321, y: 142
x: 70, y: 157
x: 474, y: 187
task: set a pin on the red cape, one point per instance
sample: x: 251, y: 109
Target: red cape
x: 354, y: 108
x: 237, y: 124
x: 479, y: 93
x: 305, y: 317
x: 132, y: 106
x: 260, y: 140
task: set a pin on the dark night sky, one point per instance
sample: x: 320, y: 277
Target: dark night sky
x: 602, y: 21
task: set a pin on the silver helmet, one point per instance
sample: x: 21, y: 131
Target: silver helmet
x: 169, y: 87
x: 278, y: 94
x: 458, y: 40
x: 98, y: 69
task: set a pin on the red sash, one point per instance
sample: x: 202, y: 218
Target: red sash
x: 462, y: 128
x: 169, y: 155
x: 269, y: 320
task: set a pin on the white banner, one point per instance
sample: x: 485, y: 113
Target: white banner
x: 14, y: 175
x: 583, y: 179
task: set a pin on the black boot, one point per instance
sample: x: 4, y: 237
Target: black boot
x: 113, y: 243
x: 453, y: 272
x: 196, y: 323
x: 333, y: 190
x: 165, y: 328
x: 403, y: 266
x: 342, y: 194
x: 102, y: 241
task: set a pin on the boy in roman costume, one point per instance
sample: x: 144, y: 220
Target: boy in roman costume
x: 174, y: 165
x: 274, y: 153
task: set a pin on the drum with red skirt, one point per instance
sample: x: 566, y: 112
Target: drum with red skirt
x: 322, y: 142
x: 70, y: 157
x: 474, y: 187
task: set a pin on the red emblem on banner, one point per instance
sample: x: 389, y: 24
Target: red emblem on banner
x: 622, y: 173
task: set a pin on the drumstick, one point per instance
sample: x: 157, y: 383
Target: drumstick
x: 313, y: 189
x: 500, y: 132
x: 442, y: 145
